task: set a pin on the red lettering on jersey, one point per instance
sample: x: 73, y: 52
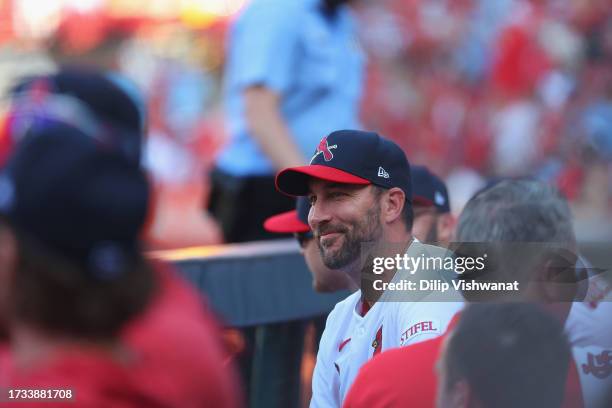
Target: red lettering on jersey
x: 418, y: 328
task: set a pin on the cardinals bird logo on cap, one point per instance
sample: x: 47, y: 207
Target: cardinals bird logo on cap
x: 324, y: 148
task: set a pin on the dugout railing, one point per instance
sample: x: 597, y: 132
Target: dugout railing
x: 259, y: 285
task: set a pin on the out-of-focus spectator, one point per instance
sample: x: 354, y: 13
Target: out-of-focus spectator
x: 519, y: 213
x: 293, y: 75
x: 79, y: 254
x: 528, y: 213
x: 76, y: 277
x: 504, y: 355
x: 175, y: 85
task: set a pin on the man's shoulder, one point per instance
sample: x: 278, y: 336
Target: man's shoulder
x: 345, y: 307
x: 337, y: 325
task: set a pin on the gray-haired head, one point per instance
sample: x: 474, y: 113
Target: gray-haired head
x: 525, y: 228
x: 517, y: 211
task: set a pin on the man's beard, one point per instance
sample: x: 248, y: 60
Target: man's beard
x: 369, y: 230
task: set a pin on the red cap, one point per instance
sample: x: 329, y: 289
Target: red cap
x: 287, y: 222
x: 298, y: 176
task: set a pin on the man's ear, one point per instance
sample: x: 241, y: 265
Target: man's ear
x: 393, y: 204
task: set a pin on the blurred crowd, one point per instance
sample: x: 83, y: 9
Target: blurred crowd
x: 475, y: 89
x: 497, y: 88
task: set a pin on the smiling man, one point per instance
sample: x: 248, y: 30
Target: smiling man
x: 360, y: 192
x: 324, y: 279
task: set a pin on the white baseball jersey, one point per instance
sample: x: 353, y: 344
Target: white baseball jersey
x: 350, y: 339
x: 589, y: 323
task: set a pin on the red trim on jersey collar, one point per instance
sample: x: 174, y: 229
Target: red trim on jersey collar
x: 344, y: 343
x: 365, y: 308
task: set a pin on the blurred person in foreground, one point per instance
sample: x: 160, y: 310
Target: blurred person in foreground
x: 433, y: 221
x: 86, y: 96
x: 512, y: 213
x: 503, y: 355
x: 294, y: 72
x: 84, y: 309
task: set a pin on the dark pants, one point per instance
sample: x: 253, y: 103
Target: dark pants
x: 242, y: 204
x: 270, y: 367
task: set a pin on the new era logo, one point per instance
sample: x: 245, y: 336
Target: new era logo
x: 439, y: 198
x: 382, y: 173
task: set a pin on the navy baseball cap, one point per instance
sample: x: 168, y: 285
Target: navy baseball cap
x: 102, y: 105
x: 64, y: 190
x: 428, y: 190
x: 293, y: 221
x: 351, y: 157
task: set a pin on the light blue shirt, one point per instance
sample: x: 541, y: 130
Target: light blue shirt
x: 313, y: 62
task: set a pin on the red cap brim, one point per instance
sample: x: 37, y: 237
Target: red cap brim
x: 285, y: 223
x: 293, y: 181
x: 422, y: 201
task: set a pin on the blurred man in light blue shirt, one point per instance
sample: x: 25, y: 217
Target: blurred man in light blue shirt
x: 294, y: 74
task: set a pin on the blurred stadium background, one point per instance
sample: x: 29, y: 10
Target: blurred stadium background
x: 473, y: 88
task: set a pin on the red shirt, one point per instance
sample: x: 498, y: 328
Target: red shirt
x: 93, y: 378
x: 406, y: 377
x: 175, y: 359
x: 400, y: 377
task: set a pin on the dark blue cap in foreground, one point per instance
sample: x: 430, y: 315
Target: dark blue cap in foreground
x: 99, y: 104
x: 75, y: 197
